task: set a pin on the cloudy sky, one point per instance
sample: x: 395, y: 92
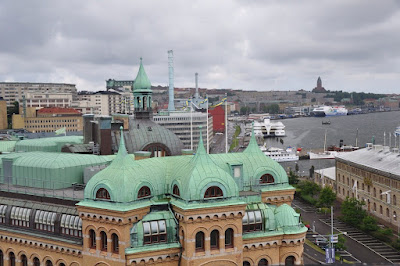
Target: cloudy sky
x: 262, y: 45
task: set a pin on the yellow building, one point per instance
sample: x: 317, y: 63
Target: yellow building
x: 3, y: 114
x: 48, y: 120
x: 372, y: 176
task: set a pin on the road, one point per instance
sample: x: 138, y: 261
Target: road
x: 356, y: 252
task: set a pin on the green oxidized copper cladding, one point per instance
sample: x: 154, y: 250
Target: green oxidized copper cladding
x: 142, y: 82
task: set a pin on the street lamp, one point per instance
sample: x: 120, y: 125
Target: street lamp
x: 398, y: 227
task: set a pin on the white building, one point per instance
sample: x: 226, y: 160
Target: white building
x: 108, y: 102
x: 13, y: 91
x: 179, y: 123
x: 47, y: 99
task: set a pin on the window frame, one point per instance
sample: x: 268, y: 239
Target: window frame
x: 103, y: 194
x: 200, y: 236
x: 213, y: 192
x: 267, y: 179
x: 214, y: 236
x: 144, y: 192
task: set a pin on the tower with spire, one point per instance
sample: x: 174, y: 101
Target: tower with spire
x: 142, y: 94
x: 319, y: 87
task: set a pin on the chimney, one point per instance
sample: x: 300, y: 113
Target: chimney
x: 87, y: 128
x: 105, y: 135
x: 196, y: 77
x: 171, y: 105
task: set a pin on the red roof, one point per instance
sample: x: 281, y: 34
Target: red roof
x: 58, y: 110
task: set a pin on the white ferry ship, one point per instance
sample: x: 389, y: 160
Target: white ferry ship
x: 280, y: 155
x: 266, y: 128
x: 323, y: 111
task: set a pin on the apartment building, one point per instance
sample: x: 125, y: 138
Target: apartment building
x: 13, y: 91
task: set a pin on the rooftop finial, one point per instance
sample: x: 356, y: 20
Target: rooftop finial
x: 141, y: 59
x: 122, y: 149
x: 253, y: 146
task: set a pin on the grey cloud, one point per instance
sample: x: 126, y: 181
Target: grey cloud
x: 236, y: 44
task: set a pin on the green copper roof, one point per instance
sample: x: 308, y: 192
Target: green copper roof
x: 288, y: 219
x: 49, y: 170
x: 116, y: 178
x: 53, y: 144
x: 192, y: 174
x: 142, y: 82
x: 201, y: 173
x: 7, y: 146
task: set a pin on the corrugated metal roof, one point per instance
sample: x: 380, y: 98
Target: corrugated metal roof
x: 379, y: 159
x: 7, y: 146
x: 53, y: 144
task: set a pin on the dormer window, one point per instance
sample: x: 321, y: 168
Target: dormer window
x: 176, y: 191
x: 154, y: 232
x: 144, y: 192
x: 267, y: 179
x: 252, y: 221
x: 213, y: 192
x: 102, y: 193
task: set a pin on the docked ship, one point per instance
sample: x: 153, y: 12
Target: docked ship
x: 323, y: 155
x: 280, y: 155
x: 266, y: 128
x: 323, y: 111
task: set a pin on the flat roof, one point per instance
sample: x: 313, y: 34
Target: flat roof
x: 328, y: 172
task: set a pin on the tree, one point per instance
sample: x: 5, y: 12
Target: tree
x: 369, y: 224
x: 340, y: 245
x: 352, y: 212
x: 312, y: 171
x: 309, y: 188
x: 326, y: 197
x: 293, y: 178
x: 14, y: 109
x: 244, y: 110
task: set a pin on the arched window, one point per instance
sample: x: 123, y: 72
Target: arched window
x: 12, y: 258
x: 200, y: 241
x: 102, y: 193
x: 213, y: 192
x: 387, y: 212
x: 246, y: 263
x: 36, y: 261
x: 92, y: 238
x: 24, y: 260
x: 176, y: 191
x: 61, y: 264
x: 49, y: 263
x: 115, y: 243
x: 1, y: 258
x: 374, y: 192
x: 395, y: 215
x: 144, y: 192
x: 263, y: 262
x: 380, y: 194
x: 214, y: 239
x: 374, y: 206
x: 380, y: 209
x: 267, y: 179
x: 229, y: 238
x: 103, y: 237
x: 290, y: 261
x: 394, y: 200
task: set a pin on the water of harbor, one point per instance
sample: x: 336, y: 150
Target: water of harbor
x: 308, y: 133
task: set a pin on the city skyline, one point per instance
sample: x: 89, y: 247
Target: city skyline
x: 257, y: 46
